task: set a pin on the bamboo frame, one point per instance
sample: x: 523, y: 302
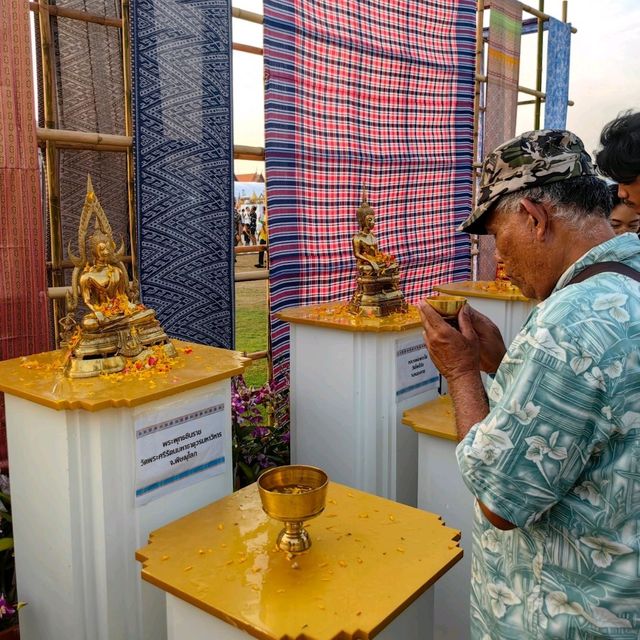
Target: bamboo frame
x: 128, y: 130
x: 249, y: 16
x: 246, y: 48
x: 539, y: 58
x: 75, y: 14
x: 51, y: 153
x: 526, y: 90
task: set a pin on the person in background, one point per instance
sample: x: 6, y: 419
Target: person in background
x: 551, y: 450
x: 619, y: 157
x: 263, y: 237
x: 623, y: 218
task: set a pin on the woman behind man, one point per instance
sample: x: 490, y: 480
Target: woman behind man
x: 623, y: 218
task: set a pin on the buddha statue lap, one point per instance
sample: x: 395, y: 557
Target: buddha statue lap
x: 116, y: 326
x: 378, y: 280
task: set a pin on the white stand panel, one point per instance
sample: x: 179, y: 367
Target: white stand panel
x: 441, y: 490
x: 75, y: 524
x: 345, y: 416
x: 184, y: 621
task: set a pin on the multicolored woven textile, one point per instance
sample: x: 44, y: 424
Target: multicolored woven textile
x: 184, y: 157
x: 90, y: 97
x: 365, y: 93
x: 23, y: 284
x: 503, y: 69
x: 557, y: 89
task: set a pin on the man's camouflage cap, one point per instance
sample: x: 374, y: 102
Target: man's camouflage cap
x: 532, y: 159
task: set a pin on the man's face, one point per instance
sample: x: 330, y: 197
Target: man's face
x: 515, y: 249
x: 630, y: 193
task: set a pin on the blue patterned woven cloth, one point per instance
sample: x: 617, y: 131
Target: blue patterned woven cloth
x: 558, y: 54
x: 184, y: 165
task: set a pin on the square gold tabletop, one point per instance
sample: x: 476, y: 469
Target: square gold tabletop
x: 369, y: 559
x: 435, y: 418
x: 39, y: 378
x: 482, y: 289
x: 334, y: 315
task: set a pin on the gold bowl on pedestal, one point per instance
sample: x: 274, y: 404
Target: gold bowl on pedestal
x: 293, y: 494
x: 446, y: 305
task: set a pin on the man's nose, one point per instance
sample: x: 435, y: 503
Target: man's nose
x: 623, y: 194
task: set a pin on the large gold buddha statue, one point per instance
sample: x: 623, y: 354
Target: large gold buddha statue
x: 116, y: 325
x: 378, y: 283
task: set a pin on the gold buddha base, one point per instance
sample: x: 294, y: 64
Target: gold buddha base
x: 377, y: 296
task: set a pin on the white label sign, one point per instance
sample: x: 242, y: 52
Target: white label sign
x: 415, y: 373
x: 178, y: 450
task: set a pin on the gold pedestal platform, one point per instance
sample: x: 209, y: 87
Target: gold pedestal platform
x: 370, y: 559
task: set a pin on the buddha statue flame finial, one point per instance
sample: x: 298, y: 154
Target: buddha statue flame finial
x: 116, y: 325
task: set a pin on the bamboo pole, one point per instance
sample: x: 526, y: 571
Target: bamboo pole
x: 539, y: 56
x: 74, y: 14
x: 49, y: 103
x: 564, y: 11
x: 64, y: 135
x: 540, y: 14
x: 529, y: 92
x: 248, y: 48
x: 242, y: 152
x: 128, y: 130
x: 250, y: 16
x: 249, y: 276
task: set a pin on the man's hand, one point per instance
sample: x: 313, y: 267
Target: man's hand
x: 455, y: 353
x: 490, y: 340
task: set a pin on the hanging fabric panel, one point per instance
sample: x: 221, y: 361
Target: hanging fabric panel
x: 184, y: 157
x: 24, y: 325
x: 557, y: 87
x: 499, y: 123
x: 90, y: 97
x: 365, y: 93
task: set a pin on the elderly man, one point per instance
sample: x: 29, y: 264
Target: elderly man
x: 619, y: 157
x: 552, y: 450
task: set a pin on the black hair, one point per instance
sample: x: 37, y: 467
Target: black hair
x: 619, y: 157
x: 615, y: 198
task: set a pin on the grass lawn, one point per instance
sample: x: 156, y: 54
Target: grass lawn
x: 251, y: 320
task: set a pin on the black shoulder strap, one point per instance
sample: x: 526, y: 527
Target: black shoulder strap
x: 603, y: 267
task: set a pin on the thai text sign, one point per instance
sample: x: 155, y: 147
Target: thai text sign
x: 415, y: 373
x: 178, y: 451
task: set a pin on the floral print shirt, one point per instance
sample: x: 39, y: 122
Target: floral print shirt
x: 558, y: 455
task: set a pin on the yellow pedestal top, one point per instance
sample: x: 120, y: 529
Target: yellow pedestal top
x: 39, y: 378
x: 435, y: 418
x: 481, y: 289
x: 334, y: 315
x: 369, y: 559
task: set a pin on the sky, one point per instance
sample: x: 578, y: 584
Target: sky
x: 604, y: 73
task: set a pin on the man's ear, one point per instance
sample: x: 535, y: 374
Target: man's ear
x: 537, y: 217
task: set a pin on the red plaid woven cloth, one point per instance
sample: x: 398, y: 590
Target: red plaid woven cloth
x: 365, y: 93
x: 24, y: 326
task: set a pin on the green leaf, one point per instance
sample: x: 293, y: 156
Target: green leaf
x: 6, y: 543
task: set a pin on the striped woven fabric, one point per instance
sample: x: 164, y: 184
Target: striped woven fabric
x: 503, y: 70
x: 365, y: 93
x: 24, y: 325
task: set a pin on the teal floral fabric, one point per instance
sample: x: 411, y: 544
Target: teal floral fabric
x: 559, y: 456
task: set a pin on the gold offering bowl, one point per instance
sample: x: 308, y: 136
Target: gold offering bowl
x: 293, y: 494
x: 447, y: 306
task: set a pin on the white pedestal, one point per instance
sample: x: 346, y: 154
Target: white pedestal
x: 345, y: 414
x: 441, y: 490
x: 186, y: 621
x: 73, y: 483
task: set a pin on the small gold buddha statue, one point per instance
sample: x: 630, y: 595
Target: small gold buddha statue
x: 116, y: 325
x: 502, y: 282
x: 378, y: 280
